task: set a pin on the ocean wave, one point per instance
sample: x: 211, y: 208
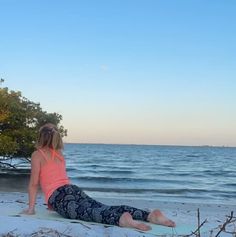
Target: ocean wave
x: 151, y: 190
x: 131, y: 180
x: 193, y: 156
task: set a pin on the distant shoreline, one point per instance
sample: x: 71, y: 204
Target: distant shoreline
x: 166, y: 145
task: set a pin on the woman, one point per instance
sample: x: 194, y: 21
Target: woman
x: 48, y: 169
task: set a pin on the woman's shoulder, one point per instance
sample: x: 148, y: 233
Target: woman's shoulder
x: 36, y: 158
x: 36, y: 154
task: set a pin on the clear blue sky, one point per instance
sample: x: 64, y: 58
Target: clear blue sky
x: 126, y: 71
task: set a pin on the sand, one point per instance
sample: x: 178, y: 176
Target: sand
x: 184, y: 214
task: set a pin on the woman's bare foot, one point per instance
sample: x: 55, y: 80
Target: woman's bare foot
x: 126, y: 220
x: 157, y: 217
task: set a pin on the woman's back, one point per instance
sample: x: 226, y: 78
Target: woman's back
x: 52, y: 171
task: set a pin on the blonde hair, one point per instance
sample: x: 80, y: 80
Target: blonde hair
x: 49, y: 137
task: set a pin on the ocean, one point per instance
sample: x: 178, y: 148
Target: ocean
x: 151, y: 172
x: 148, y: 172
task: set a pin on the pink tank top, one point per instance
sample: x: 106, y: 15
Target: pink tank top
x: 52, y: 174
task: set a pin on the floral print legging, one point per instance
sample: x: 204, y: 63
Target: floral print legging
x: 71, y: 202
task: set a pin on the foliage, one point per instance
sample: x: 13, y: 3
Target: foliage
x: 20, y: 120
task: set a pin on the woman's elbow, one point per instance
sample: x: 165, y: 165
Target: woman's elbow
x: 33, y: 185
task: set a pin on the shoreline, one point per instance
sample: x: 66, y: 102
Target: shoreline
x: 19, y: 183
x: 182, y: 213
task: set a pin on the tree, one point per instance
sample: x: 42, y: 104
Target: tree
x: 20, y: 120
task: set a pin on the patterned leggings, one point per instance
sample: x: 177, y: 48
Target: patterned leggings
x: 71, y: 202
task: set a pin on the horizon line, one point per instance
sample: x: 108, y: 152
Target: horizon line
x: 133, y: 144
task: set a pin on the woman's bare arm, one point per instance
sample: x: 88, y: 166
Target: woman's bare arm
x: 33, y: 183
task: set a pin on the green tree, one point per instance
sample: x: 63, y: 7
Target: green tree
x: 20, y: 120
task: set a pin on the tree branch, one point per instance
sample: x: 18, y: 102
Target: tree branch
x: 7, y: 164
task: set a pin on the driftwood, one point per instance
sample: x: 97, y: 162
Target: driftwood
x: 229, y: 220
x: 197, y: 232
x: 43, y: 232
x: 5, y: 162
x: 49, y: 232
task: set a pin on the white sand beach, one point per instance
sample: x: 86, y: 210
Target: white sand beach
x: 184, y: 214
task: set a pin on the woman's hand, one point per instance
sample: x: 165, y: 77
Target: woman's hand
x: 28, y: 211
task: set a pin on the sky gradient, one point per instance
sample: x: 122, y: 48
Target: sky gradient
x: 127, y: 71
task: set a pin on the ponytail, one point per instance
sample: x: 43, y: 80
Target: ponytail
x: 50, y: 137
